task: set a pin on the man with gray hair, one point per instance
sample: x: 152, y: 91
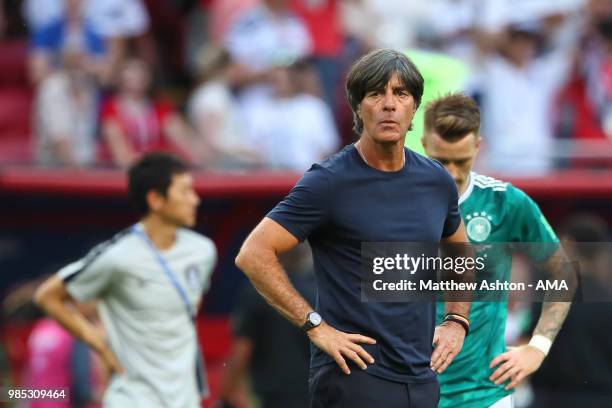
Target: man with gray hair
x: 382, y: 351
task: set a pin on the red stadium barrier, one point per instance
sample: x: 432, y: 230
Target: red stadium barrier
x: 571, y: 183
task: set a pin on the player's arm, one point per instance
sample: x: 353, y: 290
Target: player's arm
x: 53, y: 298
x: 531, y: 226
x: 553, y: 314
x: 449, y: 336
x: 519, y: 362
x: 460, y: 238
x: 258, y: 259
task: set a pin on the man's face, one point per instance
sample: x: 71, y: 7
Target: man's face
x: 135, y: 78
x: 521, y: 48
x: 387, y: 113
x: 457, y: 157
x: 181, y: 202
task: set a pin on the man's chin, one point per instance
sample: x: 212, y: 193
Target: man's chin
x: 389, y: 138
x: 187, y: 222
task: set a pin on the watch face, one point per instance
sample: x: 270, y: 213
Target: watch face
x: 315, y: 319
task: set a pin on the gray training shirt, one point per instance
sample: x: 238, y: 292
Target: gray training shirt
x: 145, y: 318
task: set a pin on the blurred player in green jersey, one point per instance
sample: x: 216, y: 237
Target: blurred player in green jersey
x: 484, y: 373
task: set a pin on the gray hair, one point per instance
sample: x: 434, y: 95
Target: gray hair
x: 373, y: 71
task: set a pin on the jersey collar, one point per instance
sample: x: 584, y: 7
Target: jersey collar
x: 468, y: 190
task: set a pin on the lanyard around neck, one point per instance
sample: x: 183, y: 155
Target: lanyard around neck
x: 139, y: 230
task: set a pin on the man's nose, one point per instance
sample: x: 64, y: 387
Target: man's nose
x: 389, y: 101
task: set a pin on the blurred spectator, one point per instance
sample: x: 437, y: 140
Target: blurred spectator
x: 122, y: 23
x: 578, y: 369
x: 53, y: 359
x: 57, y: 360
x: 585, y: 104
x: 70, y: 30
x: 322, y: 18
x: 40, y: 13
x: 453, y: 31
x: 118, y: 18
x: 294, y: 129
x: 114, y: 22
x: 384, y: 23
x: 134, y: 123
x: 65, y: 114
x: 223, y: 14
x: 518, y: 87
x: 260, y: 38
x: 271, y: 350
x: 213, y: 113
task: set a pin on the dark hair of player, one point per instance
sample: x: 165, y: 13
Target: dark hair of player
x: 153, y: 171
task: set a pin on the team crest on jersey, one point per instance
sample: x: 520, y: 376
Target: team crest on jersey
x: 478, y: 226
x: 192, y: 277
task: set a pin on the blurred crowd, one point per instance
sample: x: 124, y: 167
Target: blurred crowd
x: 258, y: 84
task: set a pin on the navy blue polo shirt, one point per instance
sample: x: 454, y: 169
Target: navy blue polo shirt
x: 343, y: 202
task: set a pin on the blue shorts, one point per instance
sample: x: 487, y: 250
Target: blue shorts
x: 331, y: 388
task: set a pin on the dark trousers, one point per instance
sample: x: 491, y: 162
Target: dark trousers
x: 331, y: 388
x: 284, y: 400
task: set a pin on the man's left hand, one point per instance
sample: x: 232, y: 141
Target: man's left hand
x: 516, y: 364
x: 448, y: 340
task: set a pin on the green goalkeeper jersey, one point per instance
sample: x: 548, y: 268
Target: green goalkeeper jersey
x: 493, y: 212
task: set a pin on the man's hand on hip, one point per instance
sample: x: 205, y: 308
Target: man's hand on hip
x: 110, y: 362
x: 448, y: 340
x: 340, y: 345
x: 516, y: 364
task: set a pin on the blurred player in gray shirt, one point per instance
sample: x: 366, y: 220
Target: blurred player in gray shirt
x: 148, y: 281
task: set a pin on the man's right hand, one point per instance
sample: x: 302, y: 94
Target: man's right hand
x: 109, y: 360
x: 340, y: 345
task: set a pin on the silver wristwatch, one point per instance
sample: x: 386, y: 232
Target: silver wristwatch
x: 313, y: 319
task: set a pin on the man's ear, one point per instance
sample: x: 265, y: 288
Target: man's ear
x: 155, y: 200
x: 423, y: 141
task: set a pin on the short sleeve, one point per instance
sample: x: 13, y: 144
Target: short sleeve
x: 306, y: 207
x: 91, y: 276
x: 208, y: 266
x: 453, y: 217
x: 530, y: 225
